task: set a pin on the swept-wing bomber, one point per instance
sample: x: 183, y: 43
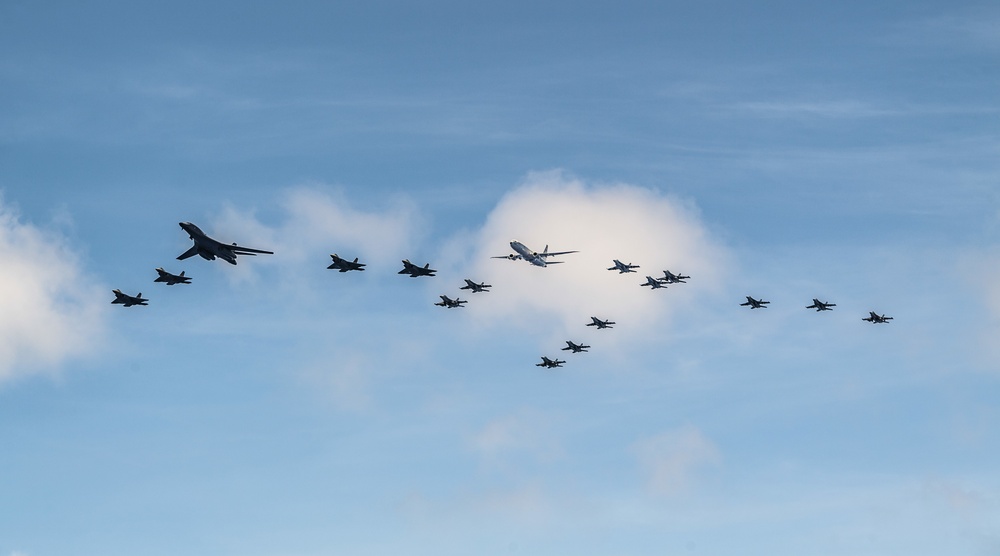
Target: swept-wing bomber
x: 210, y: 249
x: 875, y: 318
x: 549, y: 363
x: 653, y: 282
x: 521, y: 251
x: 600, y: 323
x: 575, y: 348
x: 343, y: 265
x: 671, y: 278
x: 755, y: 303
x: 449, y: 303
x: 476, y: 288
x: 821, y: 306
x: 415, y: 271
x: 128, y: 300
x: 171, y: 279
x: 622, y: 268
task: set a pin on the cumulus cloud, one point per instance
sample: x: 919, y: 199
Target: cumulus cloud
x: 603, y: 222
x: 671, y: 459
x: 50, y: 310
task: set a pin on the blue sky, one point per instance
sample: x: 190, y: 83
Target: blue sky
x: 780, y: 150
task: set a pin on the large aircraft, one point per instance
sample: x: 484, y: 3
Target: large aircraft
x: 671, y: 278
x: 650, y: 281
x: 875, y: 318
x: 575, y: 348
x: 209, y: 248
x: 128, y: 300
x: 343, y: 265
x: 820, y: 306
x: 600, y: 323
x: 549, y: 363
x: 622, y: 268
x: 415, y: 271
x: 171, y: 279
x: 755, y: 303
x: 450, y: 303
x: 476, y: 288
x: 533, y: 257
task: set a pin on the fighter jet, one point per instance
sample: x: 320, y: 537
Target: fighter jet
x: 209, y: 248
x: 128, y: 300
x: 415, y: 271
x: 600, y: 323
x: 549, y: 363
x: 171, y: 279
x: 533, y: 257
x: 476, y: 288
x: 671, y: 278
x: 874, y: 318
x: 575, y: 348
x: 622, y: 268
x: 755, y: 303
x: 820, y: 306
x: 650, y: 281
x: 343, y: 265
x: 450, y: 303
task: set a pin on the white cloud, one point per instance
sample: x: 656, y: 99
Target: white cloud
x: 50, y: 310
x: 604, y: 222
x: 526, y: 433
x: 672, y: 458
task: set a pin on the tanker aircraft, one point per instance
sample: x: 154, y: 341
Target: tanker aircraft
x: 622, y: 268
x: 342, y: 265
x: 128, y: 300
x: 533, y: 257
x: 171, y: 279
x: 755, y: 303
x: 874, y: 318
x: 208, y: 248
x: 820, y: 306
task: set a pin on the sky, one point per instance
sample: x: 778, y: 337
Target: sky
x: 782, y: 150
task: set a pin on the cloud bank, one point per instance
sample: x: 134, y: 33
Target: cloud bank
x: 50, y: 309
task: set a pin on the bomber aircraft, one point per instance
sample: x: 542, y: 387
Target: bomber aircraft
x: 575, y: 348
x: 449, y: 303
x: 533, y: 257
x: 343, y: 265
x: 600, y: 323
x: 415, y: 271
x: 671, y: 278
x: 875, y: 318
x: 622, y: 268
x: 820, y: 306
x: 209, y: 248
x: 755, y: 303
x: 549, y: 363
x: 128, y: 300
x: 171, y: 279
x: 476, y: 288
x: 650, y: 281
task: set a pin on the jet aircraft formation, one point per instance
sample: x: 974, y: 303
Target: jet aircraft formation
x: 211, y: 249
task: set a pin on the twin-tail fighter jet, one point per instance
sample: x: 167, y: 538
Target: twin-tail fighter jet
x: 875, y: 318
x: 622, y: 268
x: 549, y: 363
x: 171, y: 279
x: 415, y: 271
x: 821, y: 306
x: 533, y: 257
x: 600, y: 323
x: 449, y: 303
x: 653, y: 282
x: 476, y: 288
x: 671, y: 278
x: 755, y: 303
x: 210, y: 249
x: 128, y: 300
x: 343, y: 265
x: 575, y: 348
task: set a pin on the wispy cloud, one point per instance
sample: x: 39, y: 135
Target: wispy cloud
x: 51, y: 310
x: 672, y: 459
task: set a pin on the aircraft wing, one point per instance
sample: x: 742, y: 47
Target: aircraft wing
x: 553, y: 254
x: 247, y: 251
x: 189, y: 253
